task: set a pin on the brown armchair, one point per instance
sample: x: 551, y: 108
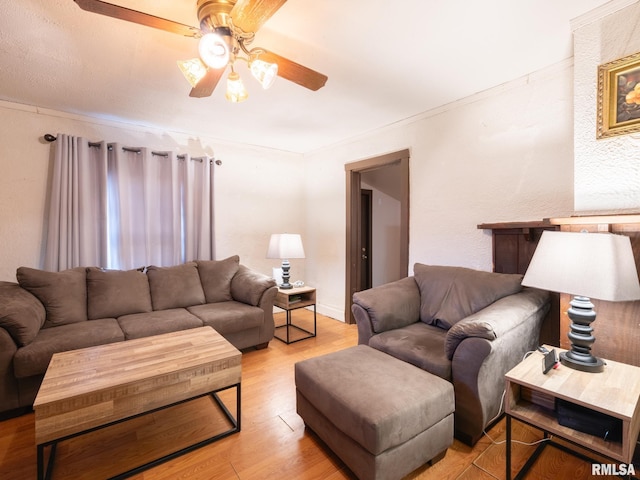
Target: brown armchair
x: 466, y: 326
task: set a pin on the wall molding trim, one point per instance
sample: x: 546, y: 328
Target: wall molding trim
x: 600, y: 12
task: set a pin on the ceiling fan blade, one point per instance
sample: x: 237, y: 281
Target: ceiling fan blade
x: 123, y: 13
x: 250, y: 15
x: 294, y: 72
x: 207, y: 84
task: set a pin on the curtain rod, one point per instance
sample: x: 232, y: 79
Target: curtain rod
x: 52, y: 138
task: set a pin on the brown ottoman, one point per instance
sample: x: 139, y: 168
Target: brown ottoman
x: 383, y: 417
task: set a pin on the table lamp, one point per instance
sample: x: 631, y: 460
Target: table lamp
x: 285, y: 246
x: 586, y: 265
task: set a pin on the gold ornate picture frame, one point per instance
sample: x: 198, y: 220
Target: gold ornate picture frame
x: 619, y: 97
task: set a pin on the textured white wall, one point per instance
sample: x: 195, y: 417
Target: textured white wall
x: 258, y: 191
x: 607, y: 171
x: 503, y: 155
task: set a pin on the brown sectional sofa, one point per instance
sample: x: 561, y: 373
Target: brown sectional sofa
x: 49, y: 312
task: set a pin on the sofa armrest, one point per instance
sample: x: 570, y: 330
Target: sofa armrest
x: 266, y: 304
x: 479, y: 363
x: 498, y: 319
x: 9, y: 391
x: 22, y: 315
x: 387, y: 307
x: 248, y: 286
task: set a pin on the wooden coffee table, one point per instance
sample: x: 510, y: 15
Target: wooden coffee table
x: 91, y: 388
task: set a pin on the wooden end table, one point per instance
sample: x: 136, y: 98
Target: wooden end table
x: 91, y: 388
x: 531, y: 398
x: 292, y: 299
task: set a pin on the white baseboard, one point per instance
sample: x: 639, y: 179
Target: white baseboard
x: 330, y: 311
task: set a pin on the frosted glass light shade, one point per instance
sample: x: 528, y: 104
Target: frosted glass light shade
x: 213, y: 50
x: 236, y: 92
x: 193, y: 70
x: 594, y: 265
x: 285, y: 246
x: 264, y: 72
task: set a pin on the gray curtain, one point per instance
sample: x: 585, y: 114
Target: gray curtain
x: 77, y: 205
x: 119, y: 207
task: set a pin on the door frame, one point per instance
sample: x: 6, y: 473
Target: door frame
x: 353, y: 178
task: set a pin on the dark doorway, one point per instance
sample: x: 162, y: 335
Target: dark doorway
x: 366, y: 221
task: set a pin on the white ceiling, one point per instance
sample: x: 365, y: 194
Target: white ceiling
x: 386, y: 61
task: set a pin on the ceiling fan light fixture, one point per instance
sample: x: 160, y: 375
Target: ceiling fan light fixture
x: 264, y: 72
x: 193, y: 70
x: 236, y: 92
x: 214, y: 50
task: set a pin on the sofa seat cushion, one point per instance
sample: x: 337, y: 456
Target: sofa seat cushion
x: 140, y: 325
x: 35, y: 357
x: 229, y: 317
x: 420, y: 344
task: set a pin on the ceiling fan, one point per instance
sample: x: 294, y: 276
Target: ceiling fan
x: 227, y: 28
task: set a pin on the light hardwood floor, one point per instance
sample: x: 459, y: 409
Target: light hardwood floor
x: 273, y: 443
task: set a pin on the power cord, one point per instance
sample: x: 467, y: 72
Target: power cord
x: 520, y: 442
x: 495, y: 442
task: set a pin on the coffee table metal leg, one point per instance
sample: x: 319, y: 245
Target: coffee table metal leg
x: 508, y: 447
x: 42, y: 473
x: 40, y: 462
x: 235, y: 422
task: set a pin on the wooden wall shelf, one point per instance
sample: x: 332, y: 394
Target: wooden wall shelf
x: 513, y: 247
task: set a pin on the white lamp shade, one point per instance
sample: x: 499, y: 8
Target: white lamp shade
x: 285, y: 246
x: 594, y: 265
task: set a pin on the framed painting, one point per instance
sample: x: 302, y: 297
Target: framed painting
x: 619, y: 97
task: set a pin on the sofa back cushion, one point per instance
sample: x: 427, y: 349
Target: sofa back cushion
x: 113, y: 293
x: 175, y: 287
x: 63, y: 294
x: 449, y: 294
x: 215, y: 276
x: 21, y: 314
